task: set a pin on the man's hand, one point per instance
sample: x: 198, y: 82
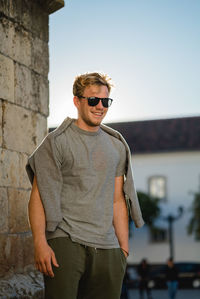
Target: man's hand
x: 125, y: 253
x: 44, y: 258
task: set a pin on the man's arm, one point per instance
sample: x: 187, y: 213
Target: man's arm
x: 120, y: 218
x: 44, y: 255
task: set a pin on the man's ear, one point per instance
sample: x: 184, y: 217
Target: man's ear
x: 76, y: 101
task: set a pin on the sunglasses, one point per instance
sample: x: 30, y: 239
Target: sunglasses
x: 93, y: 101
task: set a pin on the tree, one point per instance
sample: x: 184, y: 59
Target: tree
x: 149, y: 207
x: 194, y: 223
x: 150, y: 210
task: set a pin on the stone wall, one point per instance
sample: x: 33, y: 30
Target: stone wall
x: 24, y: 66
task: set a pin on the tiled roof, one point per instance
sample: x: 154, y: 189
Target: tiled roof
x: 162, y: 135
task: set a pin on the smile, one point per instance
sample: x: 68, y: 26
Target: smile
x: 97, y: 113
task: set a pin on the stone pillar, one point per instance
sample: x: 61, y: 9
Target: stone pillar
x: 24, y: 66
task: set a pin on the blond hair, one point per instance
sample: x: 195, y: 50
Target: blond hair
x: 87, y: 79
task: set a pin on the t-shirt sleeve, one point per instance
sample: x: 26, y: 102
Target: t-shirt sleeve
x: 121, y: 167
x: 45, y: 164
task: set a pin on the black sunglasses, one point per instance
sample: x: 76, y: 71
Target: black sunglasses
x: 93, y: 101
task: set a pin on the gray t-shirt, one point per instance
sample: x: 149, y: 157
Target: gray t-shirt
x: 89, y: 163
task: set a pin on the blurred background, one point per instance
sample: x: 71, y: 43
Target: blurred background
x: 151, y: 50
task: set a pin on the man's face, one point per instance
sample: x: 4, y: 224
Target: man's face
x: 90, y: 117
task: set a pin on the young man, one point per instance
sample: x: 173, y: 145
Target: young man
x: 77, y: 209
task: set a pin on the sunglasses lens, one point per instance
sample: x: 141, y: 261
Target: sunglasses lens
x: 106, y: 102
x: 93, y: 101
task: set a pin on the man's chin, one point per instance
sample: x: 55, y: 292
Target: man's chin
x: 95, y: 123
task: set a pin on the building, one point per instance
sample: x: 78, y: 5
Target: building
x: 166, y: 164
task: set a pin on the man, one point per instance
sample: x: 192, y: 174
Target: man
x: 171, y: 278
x: 144, y: 275
x: 77, y: 209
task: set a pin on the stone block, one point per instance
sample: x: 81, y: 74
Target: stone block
x: 40, y: 123
x: 40, y: 56
x: 15, y: 258
x: 1, y: 125
x: 26, y: 95
x: 40, y: 21
x: 21, y: 12
x: 7, y: 32
x: 12, y: 169
x: 23, y: 178
x: 28, y: 255
x: 9, y: 167
x: 25, y: 132
x: 43, y: 95
x: 6, y: 78
x: 11, y: 254
x: 22, y: 46
x: 35, y: 93
x: 16, y: 253
x: 17, y: 134
x: 4, y: 210
x: 12, y: 9
x: 18, y: 210
x: 4, y: 249
x: 15, y: 41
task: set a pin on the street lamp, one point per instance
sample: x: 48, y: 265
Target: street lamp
x: 170, y: 219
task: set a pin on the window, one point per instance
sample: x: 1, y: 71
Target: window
x: 158, y: 235
x: 157, y: 187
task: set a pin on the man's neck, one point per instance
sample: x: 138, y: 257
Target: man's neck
x: 82, y: 125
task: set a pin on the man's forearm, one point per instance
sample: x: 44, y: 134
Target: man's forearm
x: 36, y: 214
x: 44, y: 255
x: 120, y: 222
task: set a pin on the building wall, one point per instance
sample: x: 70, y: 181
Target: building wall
x: 182, y: 173
x: 24, y: 66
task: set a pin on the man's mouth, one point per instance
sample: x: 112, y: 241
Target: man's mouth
x: 99, y: 114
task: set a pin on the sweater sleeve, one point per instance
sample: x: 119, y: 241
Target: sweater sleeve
x: 131, y: 195
x: 45, y: 164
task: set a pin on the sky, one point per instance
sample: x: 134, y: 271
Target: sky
x: 150, y: 49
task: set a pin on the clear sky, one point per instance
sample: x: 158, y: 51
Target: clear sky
x: 150, y: 48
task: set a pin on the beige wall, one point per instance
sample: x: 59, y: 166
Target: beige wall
x: 24, y: 66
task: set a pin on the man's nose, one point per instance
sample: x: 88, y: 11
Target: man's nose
x: 100, y: 105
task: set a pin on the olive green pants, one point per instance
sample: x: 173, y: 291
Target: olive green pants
x: 85, y: 272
